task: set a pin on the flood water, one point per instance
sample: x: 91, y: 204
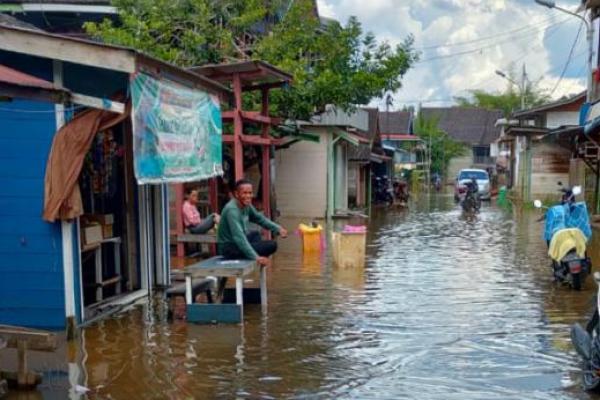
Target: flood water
x: 447, y: 307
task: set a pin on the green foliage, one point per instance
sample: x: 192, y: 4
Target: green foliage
x: 443, y: 147
x: 330, y: 63
x: 508, y: 101
x: 183, y: 32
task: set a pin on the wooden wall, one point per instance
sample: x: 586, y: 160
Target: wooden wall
x: 301, y: 179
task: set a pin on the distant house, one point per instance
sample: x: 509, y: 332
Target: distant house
x: 312, y: 177
x: 531, y: 162
x: 474, y: 127
x: 397, y: 133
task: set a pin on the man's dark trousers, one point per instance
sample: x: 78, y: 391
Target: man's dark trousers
x: 263, y: 248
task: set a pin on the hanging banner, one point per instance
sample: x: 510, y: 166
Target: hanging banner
x: 176, y: 132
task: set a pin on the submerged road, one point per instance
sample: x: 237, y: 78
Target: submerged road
x: 447, y: 307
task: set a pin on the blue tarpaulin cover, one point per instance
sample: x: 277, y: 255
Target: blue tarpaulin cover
x: 177, y: 132
x: 565, y: 216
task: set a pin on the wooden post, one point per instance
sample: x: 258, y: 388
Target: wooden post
x: 266, y: 157
x: 213, y: 198
x: 238, y: 127
x: 179, y: 217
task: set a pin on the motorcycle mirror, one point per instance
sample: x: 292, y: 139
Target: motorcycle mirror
x: 577, y: 190
x: 537, y: 203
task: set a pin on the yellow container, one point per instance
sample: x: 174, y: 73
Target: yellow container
x: 311, y: 238
x: 348, y: 249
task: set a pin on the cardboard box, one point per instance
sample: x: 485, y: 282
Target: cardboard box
x: 102, y: 219
x: 107, y: 231
x: 105, y: 221
x: 92, y: 234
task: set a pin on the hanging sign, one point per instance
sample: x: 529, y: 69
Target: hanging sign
x: 176, y: 132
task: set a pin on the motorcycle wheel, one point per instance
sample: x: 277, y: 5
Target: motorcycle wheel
x: 591, y: 379
x: 576, y: 281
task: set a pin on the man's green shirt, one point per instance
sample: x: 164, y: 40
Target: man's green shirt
x: 234, y: 226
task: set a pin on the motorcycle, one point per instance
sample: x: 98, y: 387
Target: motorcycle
x: 587, y: 343
x: 382, y: 193
x: 471, y: 201
x: 401, y: 191
x: 567, y: 232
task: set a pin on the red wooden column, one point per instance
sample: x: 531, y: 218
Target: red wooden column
x: 266, y: 157
x: 238, y: 128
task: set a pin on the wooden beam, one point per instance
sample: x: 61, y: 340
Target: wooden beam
x: 101, y: 104
x: 263, y: 86
x: 251, y: 116
x: 36, y: 340
x: 55, y: 47
x: 25, y: 92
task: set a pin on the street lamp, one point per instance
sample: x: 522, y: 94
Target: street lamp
x: 522, y: 87
x: 590, y: 35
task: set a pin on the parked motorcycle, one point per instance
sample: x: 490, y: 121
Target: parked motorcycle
x: 382, y: 192
x: 567, y: 232
x: 470, y: 201
x: 587, y: 344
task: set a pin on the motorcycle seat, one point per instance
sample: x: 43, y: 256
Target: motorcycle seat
x: 565, y: 240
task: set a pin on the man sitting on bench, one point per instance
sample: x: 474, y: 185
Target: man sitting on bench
x: 233, y: 236
x: 191, y: 216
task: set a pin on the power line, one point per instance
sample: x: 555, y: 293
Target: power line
x: 562, y: 74
x: 483, y: 39
x: 480, y: 49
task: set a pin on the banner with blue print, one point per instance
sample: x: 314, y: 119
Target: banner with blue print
x: 176, y: 132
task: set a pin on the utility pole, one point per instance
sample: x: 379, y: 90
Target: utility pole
x: 523, y: 87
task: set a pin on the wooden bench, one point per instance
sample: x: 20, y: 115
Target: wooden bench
x: 24, y: 339
x: 189, y: 238
x: 222, y: 269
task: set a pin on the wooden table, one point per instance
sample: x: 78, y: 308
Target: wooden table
x: 221, y: 268
x: 99, y: 279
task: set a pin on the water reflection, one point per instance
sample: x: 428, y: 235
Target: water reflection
x: 448, y: 306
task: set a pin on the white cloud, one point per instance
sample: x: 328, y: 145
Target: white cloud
x: 503, y: 34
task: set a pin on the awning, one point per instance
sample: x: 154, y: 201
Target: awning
x: 379, y: 159
x: 15, y: 83
x: 563, y: 136
x: 348, y: 137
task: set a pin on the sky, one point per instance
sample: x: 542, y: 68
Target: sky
x: 463, y: 42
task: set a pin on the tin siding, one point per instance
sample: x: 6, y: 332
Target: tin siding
x: 31, y: 283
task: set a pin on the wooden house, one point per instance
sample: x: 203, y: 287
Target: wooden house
x: 63, y: 273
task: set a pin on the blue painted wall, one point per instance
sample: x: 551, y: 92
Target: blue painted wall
x: 31, y: 274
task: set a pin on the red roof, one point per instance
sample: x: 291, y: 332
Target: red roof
x: 12, y: 76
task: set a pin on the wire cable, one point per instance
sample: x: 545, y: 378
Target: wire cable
x: 568, y: 62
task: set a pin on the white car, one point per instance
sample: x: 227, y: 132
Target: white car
x: 483, y: 183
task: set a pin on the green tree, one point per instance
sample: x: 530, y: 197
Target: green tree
x: 330, y: 63
x: 443, y: 147
x: 509, y: 100
x: 184, y: 32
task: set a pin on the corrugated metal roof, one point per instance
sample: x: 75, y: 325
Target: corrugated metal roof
x: 79, y: 2
x: 395, y: 122
x: 9, y: 20
x: 474, y: 126
x: 14, y: 77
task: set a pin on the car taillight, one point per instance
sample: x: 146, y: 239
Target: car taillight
x: 575, y: 267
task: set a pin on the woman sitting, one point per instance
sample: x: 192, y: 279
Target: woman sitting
x: 191, y: 217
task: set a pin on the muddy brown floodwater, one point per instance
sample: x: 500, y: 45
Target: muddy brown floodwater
x: 448, y: 307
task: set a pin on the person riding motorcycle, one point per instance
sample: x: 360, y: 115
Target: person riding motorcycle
x: 471, y: 196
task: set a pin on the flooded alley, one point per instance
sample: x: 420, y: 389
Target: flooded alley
x: 448, y: 307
